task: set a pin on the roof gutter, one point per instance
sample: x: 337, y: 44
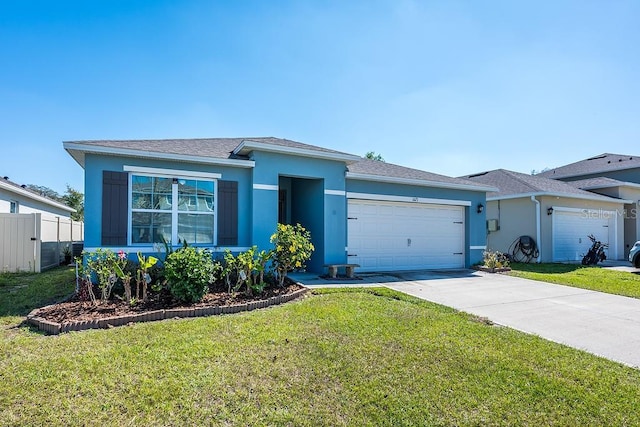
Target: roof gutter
x: 534, y: 200
x: 611, y: 185
x: 595, y: 197
x: 77, y: 151
x: 420, y: 182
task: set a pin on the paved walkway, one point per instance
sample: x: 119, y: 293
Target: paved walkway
x: 602, y: 324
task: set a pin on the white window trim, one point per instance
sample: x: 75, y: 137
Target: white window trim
x: 16, y: 204
x: 170, y: 173
x: 174, y: 212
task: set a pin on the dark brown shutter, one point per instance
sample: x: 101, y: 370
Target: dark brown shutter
x: 115, y: 196
x: 227, y: 213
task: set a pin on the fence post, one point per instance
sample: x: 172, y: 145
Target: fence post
x: 58, y: 239
x: 38, y: 242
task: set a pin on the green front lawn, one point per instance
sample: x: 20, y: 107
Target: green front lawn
x: 22, y: 292
x: 594, y: 278
x: 339, y: 357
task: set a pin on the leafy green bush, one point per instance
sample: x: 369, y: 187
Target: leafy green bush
x: 293, y: 248
x: 189, y: 271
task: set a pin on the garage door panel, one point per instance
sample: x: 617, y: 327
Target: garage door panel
x: 402, y: 236
x: 375, y: 263
x: 570, y: 241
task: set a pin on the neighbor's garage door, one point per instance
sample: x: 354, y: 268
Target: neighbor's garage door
x: 571, y: 229
x: 386, y: 236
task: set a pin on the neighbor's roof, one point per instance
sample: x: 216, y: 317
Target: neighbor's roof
x: 374, y: 170
x: 606, y: 162
x: 23, y: 190
x: 232, y: 151
x: 601, y: 182
x: 515, y: 184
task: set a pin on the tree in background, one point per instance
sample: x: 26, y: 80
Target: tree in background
x: 71, y: 197
x: 74, y: 199
x: 372, y: 155
x: 45, y: 191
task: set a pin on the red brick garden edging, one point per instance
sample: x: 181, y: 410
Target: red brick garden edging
x: 55, y: 328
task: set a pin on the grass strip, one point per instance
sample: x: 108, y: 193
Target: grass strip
x: 336, y: 358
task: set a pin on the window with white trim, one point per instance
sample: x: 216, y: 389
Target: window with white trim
x: 174, y: 209
x: 13, y: 206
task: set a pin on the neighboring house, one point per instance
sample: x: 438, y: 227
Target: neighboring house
x: 621, y: 167
x: 615, y: 175
x: 231, y: 193
x: 558, y: 216
x: 34, y: 229
x: 15, y: 198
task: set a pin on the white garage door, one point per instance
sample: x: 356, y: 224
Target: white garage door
x: 386, y: 236
x: 571, y: 229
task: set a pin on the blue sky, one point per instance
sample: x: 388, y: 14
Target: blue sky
x: 452, y: 87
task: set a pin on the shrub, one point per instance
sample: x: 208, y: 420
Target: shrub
x: 230, y: 272
x: 495, y: 259
x: 293, y: 248
x: 143, y: 278
x: 247, y: 269
x: 262, y: 260
x: 189, y: 271
x: 104, y: 264
x: 121, y: 268
x: 84, y: 285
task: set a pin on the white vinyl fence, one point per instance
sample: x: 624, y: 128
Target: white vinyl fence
x: 29, y: 242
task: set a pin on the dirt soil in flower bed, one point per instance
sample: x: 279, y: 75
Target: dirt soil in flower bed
x: 73, y: 309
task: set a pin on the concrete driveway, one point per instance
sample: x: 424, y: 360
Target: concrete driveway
x: 602, y: 324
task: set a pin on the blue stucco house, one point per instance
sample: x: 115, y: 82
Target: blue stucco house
x: 224, y: 193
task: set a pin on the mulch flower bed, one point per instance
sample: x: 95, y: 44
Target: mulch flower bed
x: 76, y: 315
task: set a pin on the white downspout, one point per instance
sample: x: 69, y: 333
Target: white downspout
x: 534, y: 200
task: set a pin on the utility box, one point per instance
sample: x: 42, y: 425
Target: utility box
x: 493, y: 225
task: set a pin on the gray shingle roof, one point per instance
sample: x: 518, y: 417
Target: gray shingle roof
x: 515, y: 183
x: 601, y: 182
x: 221, y: 148
x: 606, y: 162
x: 376, y: 168
x: 293, y: 144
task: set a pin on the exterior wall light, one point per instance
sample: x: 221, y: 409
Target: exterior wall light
x: 480, y: 207
x: 549, y: 210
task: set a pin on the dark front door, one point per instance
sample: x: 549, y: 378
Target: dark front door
x: 282, y: 206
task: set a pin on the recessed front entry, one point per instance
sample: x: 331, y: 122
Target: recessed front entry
x: 301, y: 201
x: 387, y: 236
